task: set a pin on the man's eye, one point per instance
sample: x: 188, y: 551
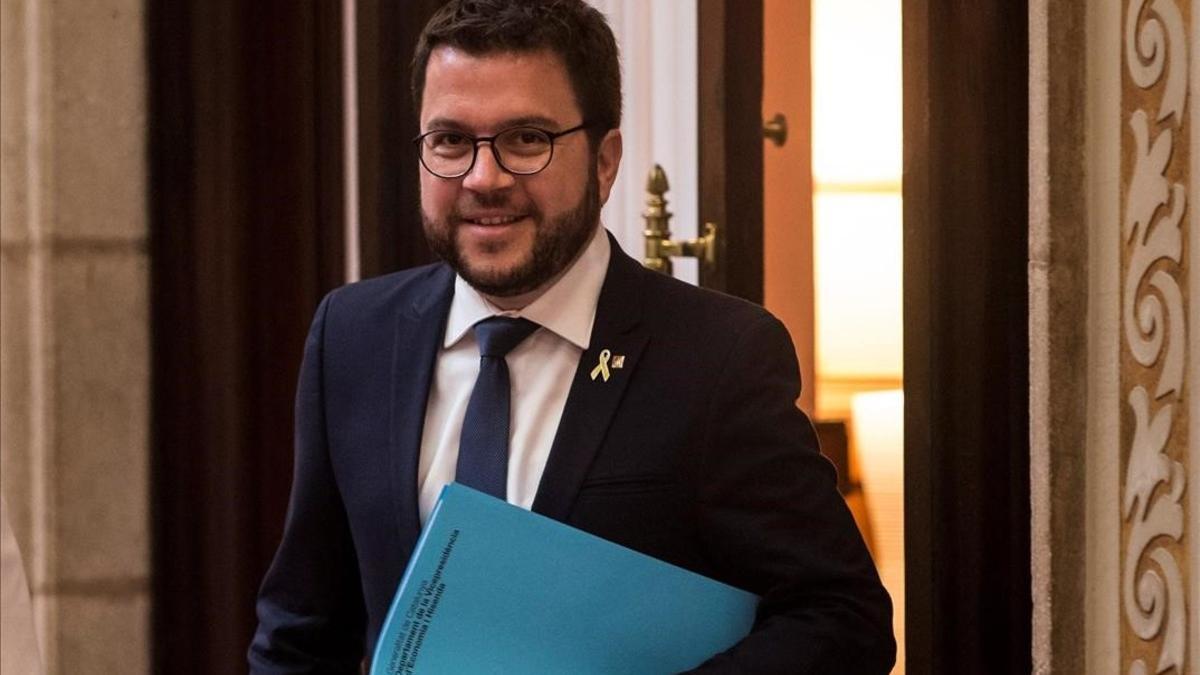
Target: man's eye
x: 447, y: 139
x: 524, y: 142
x: 531, y: 138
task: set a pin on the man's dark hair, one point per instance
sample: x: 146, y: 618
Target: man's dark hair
x: 572, y: 29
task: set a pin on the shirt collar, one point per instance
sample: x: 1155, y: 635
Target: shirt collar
x: 567, y: 308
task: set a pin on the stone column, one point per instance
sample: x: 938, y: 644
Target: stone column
x: 1058, y: 330
x: 74, y: 311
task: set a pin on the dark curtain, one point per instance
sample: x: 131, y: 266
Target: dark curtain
x: 246, y: 203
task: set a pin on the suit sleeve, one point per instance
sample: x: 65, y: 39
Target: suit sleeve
x: 311, y: 616
x: 776, y: 525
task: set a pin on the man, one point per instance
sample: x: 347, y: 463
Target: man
x: 651, y: 413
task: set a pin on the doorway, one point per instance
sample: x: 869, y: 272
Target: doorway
x: 220, y: 495
x: 856, y: 253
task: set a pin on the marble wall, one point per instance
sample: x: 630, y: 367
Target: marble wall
x: 74, y: 320
x: 1114, y: 301
x: 1157, y: 512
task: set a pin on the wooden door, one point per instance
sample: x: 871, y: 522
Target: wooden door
x: 966, y: 344
x: 730, y: 70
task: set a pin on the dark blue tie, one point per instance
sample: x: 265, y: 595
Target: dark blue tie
x: 483, y: 448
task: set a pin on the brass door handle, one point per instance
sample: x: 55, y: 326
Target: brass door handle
x: 776, y: 130
x: 659, y: 246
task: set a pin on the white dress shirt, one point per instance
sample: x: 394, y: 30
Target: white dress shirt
x: 541, y: 370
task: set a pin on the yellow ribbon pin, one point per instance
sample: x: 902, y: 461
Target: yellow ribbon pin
x: 601, y: 370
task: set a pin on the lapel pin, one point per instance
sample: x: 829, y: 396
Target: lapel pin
x: 601, y: 369
x: 618, y: 361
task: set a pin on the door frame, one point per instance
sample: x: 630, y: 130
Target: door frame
x: 729, y: 125
x: 966, y: 344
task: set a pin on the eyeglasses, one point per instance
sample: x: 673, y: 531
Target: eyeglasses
x: 519, y: 150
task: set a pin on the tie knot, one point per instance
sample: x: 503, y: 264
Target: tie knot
x: 498, y: 335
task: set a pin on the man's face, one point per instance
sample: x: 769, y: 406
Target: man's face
x: 508, y: 234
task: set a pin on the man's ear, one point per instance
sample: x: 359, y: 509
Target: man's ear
x: 608, y: 160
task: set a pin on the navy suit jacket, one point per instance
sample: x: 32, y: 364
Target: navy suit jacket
x: 694, y: 452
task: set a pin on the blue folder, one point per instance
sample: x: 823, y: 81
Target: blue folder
x: 493, y: 588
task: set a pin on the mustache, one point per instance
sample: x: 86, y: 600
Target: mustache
x: 487, y: 199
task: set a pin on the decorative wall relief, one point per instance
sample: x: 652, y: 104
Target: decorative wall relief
x: 1154, y: 425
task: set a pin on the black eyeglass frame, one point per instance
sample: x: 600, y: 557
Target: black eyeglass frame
x: 418, y: 142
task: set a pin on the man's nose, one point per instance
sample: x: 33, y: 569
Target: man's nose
x: 487, y: 175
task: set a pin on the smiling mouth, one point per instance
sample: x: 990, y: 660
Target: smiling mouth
x: 492, y: 221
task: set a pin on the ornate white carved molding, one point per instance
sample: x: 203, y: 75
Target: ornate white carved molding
x: 1155, y: 227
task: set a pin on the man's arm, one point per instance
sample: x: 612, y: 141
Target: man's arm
x: 310, y: 609
x: 775, y: 523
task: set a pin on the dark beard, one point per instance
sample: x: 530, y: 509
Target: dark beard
x: 556, y: 244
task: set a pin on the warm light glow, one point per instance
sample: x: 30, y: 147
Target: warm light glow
x: 857, y: 161
x: 856, y: 91
x: 877, y: 436
x: 858, y: 273
x: 858, y: 236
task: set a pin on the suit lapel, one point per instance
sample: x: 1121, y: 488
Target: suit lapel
x: 592, y: 402
x: 419, y: 332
